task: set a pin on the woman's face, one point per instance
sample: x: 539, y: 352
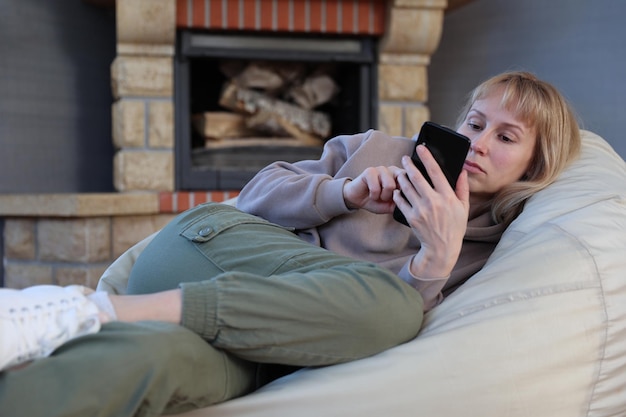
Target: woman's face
x: 502, y: 147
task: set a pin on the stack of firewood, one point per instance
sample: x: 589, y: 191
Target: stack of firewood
x: 267, y: 102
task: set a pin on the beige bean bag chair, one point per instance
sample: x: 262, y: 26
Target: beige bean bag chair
x: 539, y: 332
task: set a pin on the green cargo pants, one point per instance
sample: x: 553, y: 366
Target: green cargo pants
x: 251, y: 289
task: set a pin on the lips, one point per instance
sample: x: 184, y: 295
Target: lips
x: 473, y: 168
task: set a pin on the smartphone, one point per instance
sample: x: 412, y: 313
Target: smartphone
x: 449, y: 148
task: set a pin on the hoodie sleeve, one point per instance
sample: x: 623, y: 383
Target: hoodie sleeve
x: 430, y: 289
x: 303, y: 194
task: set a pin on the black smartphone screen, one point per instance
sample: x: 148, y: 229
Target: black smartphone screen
x: 449, y: 148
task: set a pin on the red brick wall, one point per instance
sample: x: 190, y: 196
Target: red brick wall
x: 179, y: 201
x: 346, y: 17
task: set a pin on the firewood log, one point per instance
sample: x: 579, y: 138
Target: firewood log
x: 220, y: 125
x: 314, y: 91
x: 250, y: 102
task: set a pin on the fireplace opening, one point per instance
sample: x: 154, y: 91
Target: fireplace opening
x: 227, y: 130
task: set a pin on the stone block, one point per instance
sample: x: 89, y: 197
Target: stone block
x: 390, y: 119
x: 142, y: 76
x: 402, y: 83
x: 129, y: 120
x: 129, y: 230
x: 161, y: 124
x: 413, y: 30
x: 74, y: 240
x: 19, y: 239
x: 146, y: 27
x: 150, y: 170
x: 414, y: 118
x: 22, y: 275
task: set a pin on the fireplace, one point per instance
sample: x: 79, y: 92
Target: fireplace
x: 199, y: 82
x: 165, y: 74
x: 405, y: 33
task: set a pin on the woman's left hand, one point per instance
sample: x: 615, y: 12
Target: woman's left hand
x: 438, y: 215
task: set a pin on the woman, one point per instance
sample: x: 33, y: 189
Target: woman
x: 523, y: 133
x: 259, y: 295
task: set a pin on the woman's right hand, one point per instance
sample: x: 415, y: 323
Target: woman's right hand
x: 373, y: 189
x: 438, y: 216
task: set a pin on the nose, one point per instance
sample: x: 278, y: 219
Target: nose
x: 479, y: 143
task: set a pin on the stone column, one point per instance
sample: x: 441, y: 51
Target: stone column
x: 142, y: 82
x: 413, y: 32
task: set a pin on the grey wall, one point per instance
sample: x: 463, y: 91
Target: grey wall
x: 55, y: 96
x: 577, y: 45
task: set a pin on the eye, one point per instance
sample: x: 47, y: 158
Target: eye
x: 474, y: 126
x: 505, y: 138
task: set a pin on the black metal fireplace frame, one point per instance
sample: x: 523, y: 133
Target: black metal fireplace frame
x: 357, y: 51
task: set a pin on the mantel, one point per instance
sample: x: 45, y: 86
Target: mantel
x: 78, y: 205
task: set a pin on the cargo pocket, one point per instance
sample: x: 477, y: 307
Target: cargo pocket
x: 236, y: 241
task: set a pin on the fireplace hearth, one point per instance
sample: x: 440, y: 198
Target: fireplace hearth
x: 200, y: 82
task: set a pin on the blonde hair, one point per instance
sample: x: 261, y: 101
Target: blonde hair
x: 540, y: 105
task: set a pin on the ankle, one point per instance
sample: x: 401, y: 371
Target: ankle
x: 102, y: 300
x: 162, y: 306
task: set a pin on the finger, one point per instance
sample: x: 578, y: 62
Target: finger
x: 395, y: 171
x: 462, y: 188
x: 409, y: 191
x: 414, y: 175
x: 388, y: 183
x: 432, y: 167
x: 379, y: 182
x: 371, y: 180
x: 401, y: 202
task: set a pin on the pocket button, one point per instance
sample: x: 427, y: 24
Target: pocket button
x: 204, y: 232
